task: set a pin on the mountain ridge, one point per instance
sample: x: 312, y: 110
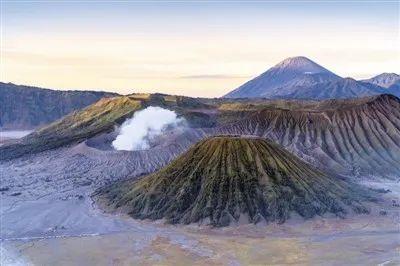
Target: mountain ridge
x: 345, y: 88
x: 350, y: 137
x: 385, y: 80
x: 302, y: 78
x: 390, y: 82
x: 27, y: 107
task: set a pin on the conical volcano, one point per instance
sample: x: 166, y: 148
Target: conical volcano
x: 278, y: 80
x: 226, y: 180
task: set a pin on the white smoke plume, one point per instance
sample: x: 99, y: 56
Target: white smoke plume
x: 146, y: 124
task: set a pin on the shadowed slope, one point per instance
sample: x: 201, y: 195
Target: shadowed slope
x: 346, y: 88
x: 230, y: 179
x: 27, y: 107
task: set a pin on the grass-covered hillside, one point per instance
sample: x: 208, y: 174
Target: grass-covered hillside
x: 75, y: 127
x: 225, y: 180
x: 102, y: 117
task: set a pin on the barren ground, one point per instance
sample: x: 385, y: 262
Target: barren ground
x: 53, y: 222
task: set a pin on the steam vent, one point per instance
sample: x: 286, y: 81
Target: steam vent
x: 225, y: 180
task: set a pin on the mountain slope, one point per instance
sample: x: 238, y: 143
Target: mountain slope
x: 293, y: 71
x: 385, y: 80
x: 389, y: 81
x: 339, y: 89
x: 224, y: 180
x: 25, y: 107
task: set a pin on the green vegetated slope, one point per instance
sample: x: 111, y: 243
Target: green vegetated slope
x: 77, y: 126
x: 101, y: 117
x: 224, y: 180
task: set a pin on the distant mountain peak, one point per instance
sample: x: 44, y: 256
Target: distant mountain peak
x: 292, y: 71
x: 385, y: 80
x: 387, y: 75
x: 296, y: 61
x: 301, y: 64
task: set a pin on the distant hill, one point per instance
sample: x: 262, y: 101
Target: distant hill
x: 25, y: 107
x: 389, y: 81
x: 228, y: 180
x: 385, y: 80
x: 302, y: 78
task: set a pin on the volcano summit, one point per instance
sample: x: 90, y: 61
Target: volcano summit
x: 291, y: 72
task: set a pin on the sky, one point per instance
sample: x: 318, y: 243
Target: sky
x: 194, y: 48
